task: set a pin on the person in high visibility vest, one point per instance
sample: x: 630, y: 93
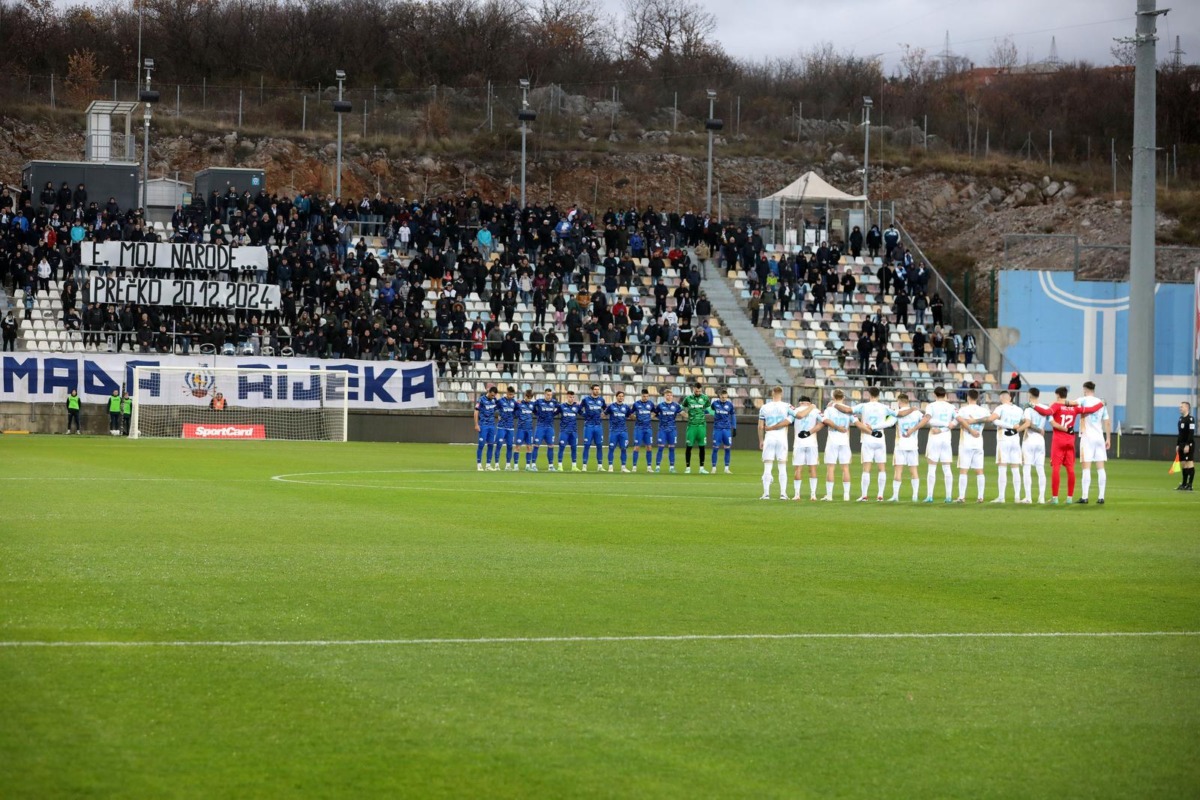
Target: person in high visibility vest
x: 73, y: 411
x: 218, y: 402
x: 114, y: 414
x: 126, y: 411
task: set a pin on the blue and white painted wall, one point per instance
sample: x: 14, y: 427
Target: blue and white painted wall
x: 1069, y: 331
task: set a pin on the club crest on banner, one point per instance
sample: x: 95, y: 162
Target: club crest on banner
x: 199, y: 384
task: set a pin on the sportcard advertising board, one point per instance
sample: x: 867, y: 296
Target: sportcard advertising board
x: 191, y: 431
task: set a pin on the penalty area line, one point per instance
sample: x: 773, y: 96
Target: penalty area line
x: 692, y: 637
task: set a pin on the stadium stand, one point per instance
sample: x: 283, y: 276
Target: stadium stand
x: 820, y: 340
x: 375, y: 264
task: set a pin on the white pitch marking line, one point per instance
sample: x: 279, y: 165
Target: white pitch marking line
x: 695, y: 637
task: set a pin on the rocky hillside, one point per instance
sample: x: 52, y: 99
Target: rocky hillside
x: 964, y: 212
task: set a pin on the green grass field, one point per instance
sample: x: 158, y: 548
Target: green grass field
x: 327, y: 602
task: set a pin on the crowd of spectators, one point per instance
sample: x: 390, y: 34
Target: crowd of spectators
x: 816, y: 283
x: 407, y: 297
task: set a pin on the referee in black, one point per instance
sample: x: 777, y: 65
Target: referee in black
x: 1185, y: 446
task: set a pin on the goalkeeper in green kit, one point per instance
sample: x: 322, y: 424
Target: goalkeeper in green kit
x: 698, y: 406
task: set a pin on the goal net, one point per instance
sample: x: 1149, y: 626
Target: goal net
x: 238, y: 403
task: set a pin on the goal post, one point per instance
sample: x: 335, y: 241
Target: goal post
x: 198, y: 402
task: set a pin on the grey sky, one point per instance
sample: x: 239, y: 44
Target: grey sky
x: 759, y: 29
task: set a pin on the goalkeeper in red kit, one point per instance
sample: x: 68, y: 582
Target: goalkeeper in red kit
x: 1063, y: 415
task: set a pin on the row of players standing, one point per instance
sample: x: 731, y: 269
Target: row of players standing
x: 521, y: 426
x: 872, y: 418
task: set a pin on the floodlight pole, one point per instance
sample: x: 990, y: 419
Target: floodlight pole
x: 1139, y: 391
x: 524, y: 133
x: 146, y: 146
x: 341, y: 79
x: 866, y: 141
x: 137, y: 71
x: 712, y: 101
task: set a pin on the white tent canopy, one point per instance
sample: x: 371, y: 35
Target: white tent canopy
x: 808, y: 188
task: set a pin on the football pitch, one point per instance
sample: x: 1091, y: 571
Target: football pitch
x: 250, y: 619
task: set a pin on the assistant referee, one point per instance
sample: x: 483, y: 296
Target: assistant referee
x: 1185, y: 446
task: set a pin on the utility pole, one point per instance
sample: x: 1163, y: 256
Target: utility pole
x: 1139, y: 384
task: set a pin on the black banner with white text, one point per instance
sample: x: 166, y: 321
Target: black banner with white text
x: 149, y: 255
x: 189, y: 294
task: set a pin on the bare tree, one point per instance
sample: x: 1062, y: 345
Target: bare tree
x: 662, y: 30
x: 1124, y: 54
x: 1004, y: 54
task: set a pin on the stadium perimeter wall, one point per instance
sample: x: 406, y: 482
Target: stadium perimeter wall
x: 456, y: 427
x: 1064, y: 331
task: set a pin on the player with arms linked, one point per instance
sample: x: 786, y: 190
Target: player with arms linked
x: 485, y: 427
x: 666, y: 411
x: 568, y: 430
x: 773, y: 420
x: 724, y: 428
x: 506, y: 410
x: 618, y: 433
x: 525, y: 417
x: 808, y: 422
x: 643, y: 430
x: 593, y: 406
x: 1063, y: 415
x: 545, y: 409
x: 698, y: 407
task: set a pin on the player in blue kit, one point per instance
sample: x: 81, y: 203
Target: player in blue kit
x: 545, y: 408
x: 593, y: 406
x: 618, y: 432
x: 525, y: 430
x: 666, y: 411
x: 506, y: 427
x: 724, y: 428
x: 643, y: 432
x: 568, y: 430
x: 485, y: 428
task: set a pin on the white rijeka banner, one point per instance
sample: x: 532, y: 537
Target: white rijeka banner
x: 190, y: 294
x: 150, y: 255
x: 49, y: 377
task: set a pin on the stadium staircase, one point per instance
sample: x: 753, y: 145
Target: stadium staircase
x: 725, y: 303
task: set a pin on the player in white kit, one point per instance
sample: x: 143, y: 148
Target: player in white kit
x: 1095, y: 437
x: 971, y: 419
x: 837, y: 446
x: 905, y: 453
x: 808, y: 421
x: 773, y: 420
x: 939, y: 449
x: 1007, y: 418
x: 873, y: 418
x: 1033, y: 448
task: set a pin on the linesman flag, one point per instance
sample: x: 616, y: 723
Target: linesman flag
x: 1174, y: 467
